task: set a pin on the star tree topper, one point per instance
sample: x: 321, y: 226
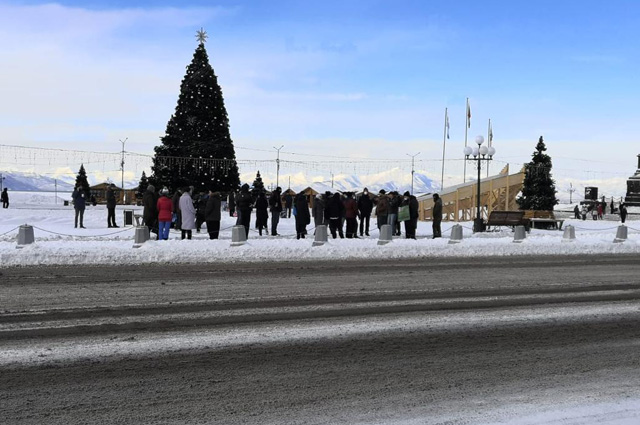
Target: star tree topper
x: 201, y: 36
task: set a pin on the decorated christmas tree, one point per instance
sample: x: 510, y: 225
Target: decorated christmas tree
x: 197, y: 149
x: 142, y: 186
x: 81, y: 180
x: 538, y: 188
x: 257, y: 187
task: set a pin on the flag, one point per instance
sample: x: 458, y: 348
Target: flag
x: 490, y: 133
x: 468, y: 115
x: 446, y: 123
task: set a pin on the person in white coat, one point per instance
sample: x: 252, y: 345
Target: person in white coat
x: 188, y: 213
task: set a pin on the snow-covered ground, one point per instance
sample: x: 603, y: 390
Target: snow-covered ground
x: 58, y: 242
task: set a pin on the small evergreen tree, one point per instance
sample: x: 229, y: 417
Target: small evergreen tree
x: 142, y: 186
x: 257, y: 187
x: 538, y: 188
x: 81, y: 180
x: 197, y: 148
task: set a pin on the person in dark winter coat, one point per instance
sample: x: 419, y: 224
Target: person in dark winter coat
x: 262, y: 213
x: 303, y: 218
x: 150, y: 212
x: 365, y: 206
x: 275, y: 205
x: 437, y: 216
x: 111, y: 207
x: 176, y: 209
x: 200, y: 205
x: 350, y: 214
x: 212, y: 214
x: 232, y: 203
x: 79, y: 204
x: 5, y: 198
x: 623, y: 212
x: 165, y: 214
x: 244, y: 206
x: 334, y: 212
x: 411, y: 224
x: 318, y: 210
x: 288, y: 203
x: 576, y: 212
x: 382, y: 208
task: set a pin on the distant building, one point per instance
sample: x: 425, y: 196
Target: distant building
x: 633, y: 188
x: 100, y: 192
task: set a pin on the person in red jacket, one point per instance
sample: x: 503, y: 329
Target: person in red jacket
x: 350, y: 213
x: 165, y: 214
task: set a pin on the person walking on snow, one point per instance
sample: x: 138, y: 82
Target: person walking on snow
x: 437, y: 216
x: 5, y: 198
x: 150, y: 212
x: 244, y: 205
x: 350, y: 213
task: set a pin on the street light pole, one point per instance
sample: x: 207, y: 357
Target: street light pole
x: 278, y: 165
x: 122, y: 169
x: 480, y: 153
x: 413, y: 157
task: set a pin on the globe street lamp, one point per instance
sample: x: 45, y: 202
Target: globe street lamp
x: 480, y: 153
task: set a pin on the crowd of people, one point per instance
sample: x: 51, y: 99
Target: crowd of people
x: 597, y: 210
x: 345, y: 214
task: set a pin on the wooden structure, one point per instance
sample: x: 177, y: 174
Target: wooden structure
x: 100, y: 192
x: 497, y: 193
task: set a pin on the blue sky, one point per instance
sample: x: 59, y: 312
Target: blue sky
x: 365, y: 79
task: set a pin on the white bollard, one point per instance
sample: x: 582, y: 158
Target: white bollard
x: 141, y: 236
x: 569, y: 234
x: 238, y: 236
x: 621, y: 234
x: 520, y: 234
x: 385, y: 234
x: 25, y: 236
x: 456, y: 234
x: 321, y: 236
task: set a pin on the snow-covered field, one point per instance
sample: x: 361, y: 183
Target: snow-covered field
x: 58, y: 242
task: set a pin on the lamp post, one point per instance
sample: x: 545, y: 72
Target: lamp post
x: 413, y: 157
x: 480, y: 153
x: 122, y: 169
x: 278, y: 165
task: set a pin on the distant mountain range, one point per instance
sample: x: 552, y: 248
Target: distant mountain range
x: 32, y: 182
x: 388, y: 180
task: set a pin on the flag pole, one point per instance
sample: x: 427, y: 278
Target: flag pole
x: 489, y: 139
x: 444, y: 144
x: 466, y: 128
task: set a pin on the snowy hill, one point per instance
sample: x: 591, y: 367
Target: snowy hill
x: 394, y: 179
x: 17, y: 181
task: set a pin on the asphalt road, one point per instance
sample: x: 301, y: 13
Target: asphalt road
x: 459, y: 341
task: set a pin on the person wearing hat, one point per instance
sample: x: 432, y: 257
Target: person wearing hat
x: 334, y: 212
x: 150, y: 211
x: 188, y: 213
x: 437, y: 216
x: 382, y: 208
x: 165, y: 214
x: 350, y: 213
x: 318, y: 210
x: 394, y: 205
x: 275, y: 205
x: 365, y: 206
x: 411, y: 225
